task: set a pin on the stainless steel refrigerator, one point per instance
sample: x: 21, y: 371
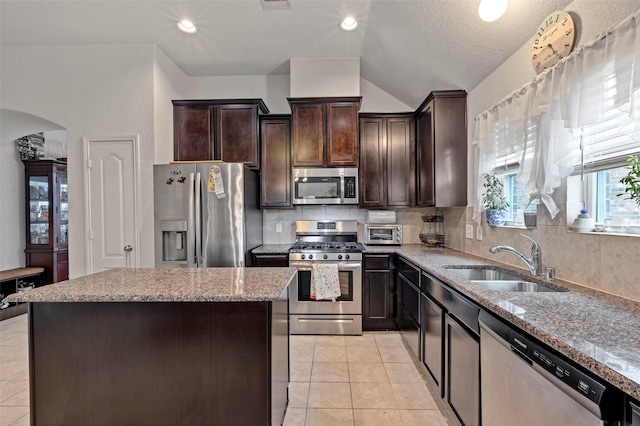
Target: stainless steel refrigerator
x: 206, y: 214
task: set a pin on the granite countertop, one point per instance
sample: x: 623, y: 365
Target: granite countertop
x: 166, y: 285
x: 594, y: 329
x: 272, y: 249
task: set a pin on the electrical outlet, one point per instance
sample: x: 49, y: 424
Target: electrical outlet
x: 479, y: 233
x: 469, y: 232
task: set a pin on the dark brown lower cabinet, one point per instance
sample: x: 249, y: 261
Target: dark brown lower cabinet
x: 378, y: 293
x: 267, y: 260
x: 432, y: 327
x: 462, y: 372
x: 136, y: 363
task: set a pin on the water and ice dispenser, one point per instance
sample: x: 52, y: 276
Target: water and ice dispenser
x: 174, y: 240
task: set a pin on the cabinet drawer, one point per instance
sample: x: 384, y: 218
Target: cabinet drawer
x: 374, y: 261
x: 465, y: 311
x: 409, y: 271
x: 277, y: 260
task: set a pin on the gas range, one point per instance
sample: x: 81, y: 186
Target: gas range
x: 326, y: 241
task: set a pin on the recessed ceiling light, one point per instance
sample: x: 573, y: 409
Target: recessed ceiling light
x: 348, y: 24
x: 187, y: 26
x: 490, y: 10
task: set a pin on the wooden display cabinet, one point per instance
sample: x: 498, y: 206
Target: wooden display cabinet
x: 47, y: 218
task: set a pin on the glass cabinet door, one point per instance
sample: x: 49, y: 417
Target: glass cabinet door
x: 39, y: 209
x: 64, y: 211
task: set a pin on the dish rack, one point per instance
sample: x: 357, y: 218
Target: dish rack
x: 432, y: 233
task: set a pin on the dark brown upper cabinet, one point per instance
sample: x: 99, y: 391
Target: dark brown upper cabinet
x: 275, y: 143
x: 324, y: 131
x: 223, y: 129
x: 387, y: 160
x: 441, y: 178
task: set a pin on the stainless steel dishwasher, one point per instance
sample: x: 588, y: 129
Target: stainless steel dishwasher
x: 526, y: 383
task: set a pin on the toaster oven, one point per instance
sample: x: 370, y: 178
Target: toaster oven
x: 382, y: 234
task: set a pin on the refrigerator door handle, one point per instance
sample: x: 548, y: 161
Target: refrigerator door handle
x: 341, y: 185
x: 191, y: 255
x: 198, y: 198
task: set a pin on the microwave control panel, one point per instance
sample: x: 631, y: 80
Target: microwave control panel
x: 349, y: 187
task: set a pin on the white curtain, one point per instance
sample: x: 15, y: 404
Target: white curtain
x: 565, y: 113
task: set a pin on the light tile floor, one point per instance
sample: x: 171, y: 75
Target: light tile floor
x: 366, y: 380
x: 14, y: 372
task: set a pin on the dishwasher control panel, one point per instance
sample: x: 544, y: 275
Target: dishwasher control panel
x: 555, y: 366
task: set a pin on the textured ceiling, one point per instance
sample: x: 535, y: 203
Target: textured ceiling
x: 407, y: 47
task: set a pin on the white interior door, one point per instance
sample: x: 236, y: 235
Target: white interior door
x: 112, y: 218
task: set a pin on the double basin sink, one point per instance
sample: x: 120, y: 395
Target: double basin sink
x: 499, y: 280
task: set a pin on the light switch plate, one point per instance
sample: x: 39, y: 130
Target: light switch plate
x: 479, y: 233
x: 469, y: 232
x: 278, y: 227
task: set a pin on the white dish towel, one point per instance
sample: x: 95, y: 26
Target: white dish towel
x: 325, y: 282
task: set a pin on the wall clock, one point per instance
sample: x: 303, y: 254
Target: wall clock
x: 554, y: 39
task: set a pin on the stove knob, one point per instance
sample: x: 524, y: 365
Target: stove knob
x: 310, y: 256
x: 346, y: 256
x: 325, y: 257
x: 303, y: 257
x: 339, y: 257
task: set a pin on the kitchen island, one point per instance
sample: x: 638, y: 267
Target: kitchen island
x: 160, y: 347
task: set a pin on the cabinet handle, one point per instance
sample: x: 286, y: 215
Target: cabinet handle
x: 127, y: 255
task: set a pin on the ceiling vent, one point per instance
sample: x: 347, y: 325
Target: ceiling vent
x: 275, y: 4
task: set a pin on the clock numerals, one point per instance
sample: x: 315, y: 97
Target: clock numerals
x: 564, y: 21
x: 569, y: 31
x: 535, y: 56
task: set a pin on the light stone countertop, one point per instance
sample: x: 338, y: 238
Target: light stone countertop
x: 596, y: 330
x: 166, y: 285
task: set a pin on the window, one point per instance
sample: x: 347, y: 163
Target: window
x: 514, y: 192
x: 617, y: 214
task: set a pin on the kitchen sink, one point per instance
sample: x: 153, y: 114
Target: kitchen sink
x: 509, y: 285
x: 474, y: 274
x: 498, y: 280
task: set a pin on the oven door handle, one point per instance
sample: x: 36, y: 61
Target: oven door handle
x: 305, y: 266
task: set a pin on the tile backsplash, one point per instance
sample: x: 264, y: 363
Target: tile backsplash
x: 284, y: 220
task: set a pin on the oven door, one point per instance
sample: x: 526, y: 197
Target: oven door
x: 350, y: 302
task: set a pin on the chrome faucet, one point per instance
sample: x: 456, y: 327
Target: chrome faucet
x: 534, y: 263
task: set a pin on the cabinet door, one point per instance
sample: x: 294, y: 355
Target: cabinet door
x: 372, y: 155
x: 400, y: 162
x: 377, y: 300
x: 308, y: 134
x: 342, y: 134
x: 275, y: 181
x: 450, y: 151
x: 462, y: 373
x: 432, y: 326
x: 236, y: 138
x: 425, y: 194
x: 193, y: 133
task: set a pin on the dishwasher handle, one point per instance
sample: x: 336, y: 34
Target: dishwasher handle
x: 521, y: 355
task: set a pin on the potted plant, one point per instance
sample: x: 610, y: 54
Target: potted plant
x: 495, y: 203
x: 632, y: 181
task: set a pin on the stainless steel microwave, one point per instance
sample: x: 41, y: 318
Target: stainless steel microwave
x: 382, y: 234
x: 317, y: 185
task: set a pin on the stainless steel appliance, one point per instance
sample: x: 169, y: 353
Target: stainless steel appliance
x: 325, y: 185
x: 526, y: 383
x: 382, y: 229
x: 326, y: 241
x: 206, y: 214
x: 382, y: 234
